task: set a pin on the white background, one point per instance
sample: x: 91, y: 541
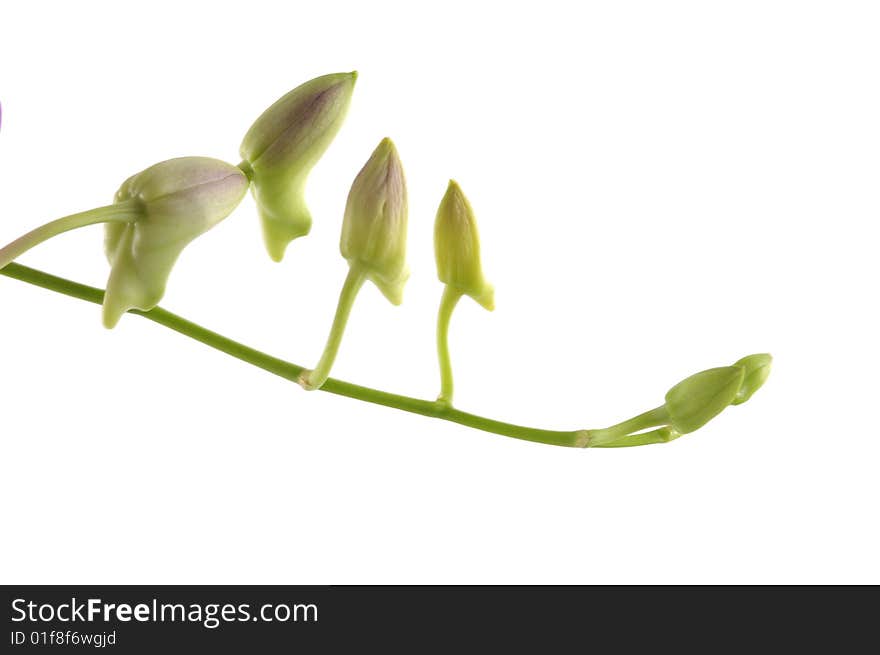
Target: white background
x: 661, y: 188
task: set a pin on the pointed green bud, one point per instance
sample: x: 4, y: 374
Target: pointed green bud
x: 177, y: 200
x: 756, y: 369
x: 693, y: 402
x: 374, y: 226
x: 457, y: 248
x: 283, y: 145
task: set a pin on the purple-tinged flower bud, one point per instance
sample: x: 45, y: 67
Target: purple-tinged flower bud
x: 281, y: 148
x: 177, y: 200
x: 374, y: 226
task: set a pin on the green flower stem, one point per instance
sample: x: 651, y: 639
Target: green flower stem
x: 289, y: 371
x: 620, y: 434
x: 122, y: 212
x: 316, y: 377
x: 450, y: 299
x: 660, y: 435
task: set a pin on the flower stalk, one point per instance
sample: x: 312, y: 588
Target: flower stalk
x: 450, y: 299
x: 292, y: 372
x: 316, y: 377
x: 118, y: 213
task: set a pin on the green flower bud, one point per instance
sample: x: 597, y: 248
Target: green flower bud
x: 457, y: 248
x: 374, y: 226
x: 282, y: 146
x: 693, y: 402
x: 176, y: 200
x: 756, y: 370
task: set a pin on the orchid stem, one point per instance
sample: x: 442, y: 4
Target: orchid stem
x: 621, y: 433
x: 119, y: 212
x: 447, y: 306
x: 290, y: 371
x: 316, y: 377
